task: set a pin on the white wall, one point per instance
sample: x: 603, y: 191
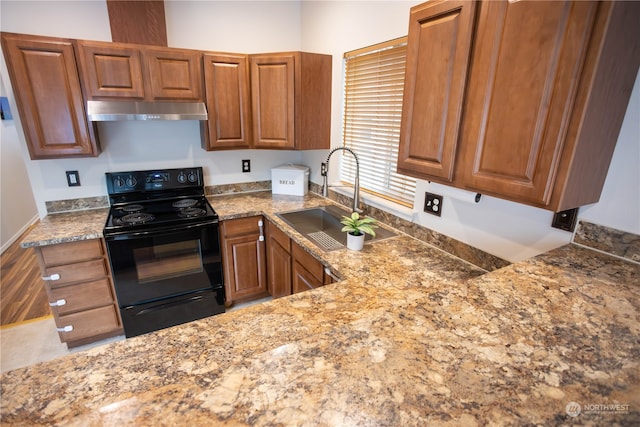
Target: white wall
x: 506, y: 229
x: 17, y: 207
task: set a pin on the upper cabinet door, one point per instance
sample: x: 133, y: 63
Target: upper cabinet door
x: 136, y: 72
x: 526, y: 69
x: 228, y: 101
x: 48, y: 93
x: 437, y: 61
x: 273, y: 96
x: 111, y: 70
x: 174, y: 74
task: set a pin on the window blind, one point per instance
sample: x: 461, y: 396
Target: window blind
x: 374, y: 82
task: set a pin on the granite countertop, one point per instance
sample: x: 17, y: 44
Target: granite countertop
x: 412, y: 336
x: 67, y: 227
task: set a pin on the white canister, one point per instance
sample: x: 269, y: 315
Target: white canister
x: 290, y: 179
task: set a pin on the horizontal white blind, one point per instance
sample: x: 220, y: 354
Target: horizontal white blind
x: 374, y: 81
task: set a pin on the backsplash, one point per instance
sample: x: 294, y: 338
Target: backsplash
x: 58, y: 206
x: 609, y: 240
x: 243, y: 187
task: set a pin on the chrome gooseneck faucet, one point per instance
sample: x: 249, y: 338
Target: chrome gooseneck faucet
x: 324, y: 169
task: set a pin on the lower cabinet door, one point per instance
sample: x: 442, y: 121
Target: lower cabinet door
x: 303, y: 280
x: 244, y: 259
x: 278, y: 262
x: 69, y: 299
x: 89, y: 323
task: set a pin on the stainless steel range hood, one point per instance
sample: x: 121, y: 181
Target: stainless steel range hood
x: 113, y: 111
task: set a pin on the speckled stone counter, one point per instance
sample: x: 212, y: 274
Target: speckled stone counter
x: 67, y: 227
x: 411, y: 337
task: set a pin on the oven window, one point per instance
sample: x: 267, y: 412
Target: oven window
x: 160, y: 262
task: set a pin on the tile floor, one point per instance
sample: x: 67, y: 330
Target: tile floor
x: 33, y: 341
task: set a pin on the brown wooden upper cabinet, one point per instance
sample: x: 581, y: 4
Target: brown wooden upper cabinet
x: 48, y: 94
x: 291, y: 100
x: 519, y: 100
x: 226, y: 80
x: 142, y: 73
x: 272, y: 101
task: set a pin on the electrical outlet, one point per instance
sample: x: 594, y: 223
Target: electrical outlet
x: 433, y: 204
x: 73, y: 178
x: 565, y: 220
x: 246, y: 166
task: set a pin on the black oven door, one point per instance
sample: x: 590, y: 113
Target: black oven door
x: 153, y: 265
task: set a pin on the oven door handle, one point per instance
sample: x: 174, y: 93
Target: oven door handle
x: 169, y: 304
x: 158, y: 231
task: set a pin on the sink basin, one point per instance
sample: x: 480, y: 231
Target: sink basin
x: 322, y: 226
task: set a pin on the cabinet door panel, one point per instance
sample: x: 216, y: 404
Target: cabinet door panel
x: 434, y: 89
x: 82, y: 296
x: 245, y: 253
x: 111, y: 71
x: 79, y: 272
x: 89, y: 323
x: 525, y: 72
x: 272, y: 95
x: 72, y: 252
x: 279, y: 274
x: 303, y: 280
x: 307, y: 272
x: 244, y: 257
x: 49, y: 97
x: 174, y: 74
x: 228, y: 102
x: 278, y: 261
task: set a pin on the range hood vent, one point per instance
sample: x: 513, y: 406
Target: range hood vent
x: 114, y: 111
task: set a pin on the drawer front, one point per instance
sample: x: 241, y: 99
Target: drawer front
x: 88, y: 323
x: 76, y: 273
x: 69, y: 253
x: 279, y: 236
x: 310, y: 264
x: 68, y: 299
x: 241, y: 226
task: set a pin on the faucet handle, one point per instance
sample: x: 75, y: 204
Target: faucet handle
x: 323, y: 169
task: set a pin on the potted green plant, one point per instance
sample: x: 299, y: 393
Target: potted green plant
x: 356, y: 227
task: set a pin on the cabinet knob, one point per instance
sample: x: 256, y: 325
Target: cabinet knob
x: 54, y: 276
x: 67, y: 328
x: 58, y: 303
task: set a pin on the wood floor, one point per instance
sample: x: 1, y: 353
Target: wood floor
x: 22, y: 293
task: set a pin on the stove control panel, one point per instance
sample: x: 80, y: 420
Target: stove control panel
x: 153, y: 180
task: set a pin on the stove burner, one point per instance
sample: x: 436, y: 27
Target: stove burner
x: 133, y: 208
x: 191, y: 212
x: 137, y: 218
x: 184, y: 203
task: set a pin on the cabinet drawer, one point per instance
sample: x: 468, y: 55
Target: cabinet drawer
x: 279, y: 236
x: 89, y: 323
x: 80, y: 272
x: 82, y: 296
x: 69, y: 253
x: 241, y: 226
x: 310, y: 264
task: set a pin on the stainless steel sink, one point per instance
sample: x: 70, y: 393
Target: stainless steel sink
x: 322, y: 226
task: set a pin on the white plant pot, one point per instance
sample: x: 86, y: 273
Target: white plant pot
x: 355, y: 243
